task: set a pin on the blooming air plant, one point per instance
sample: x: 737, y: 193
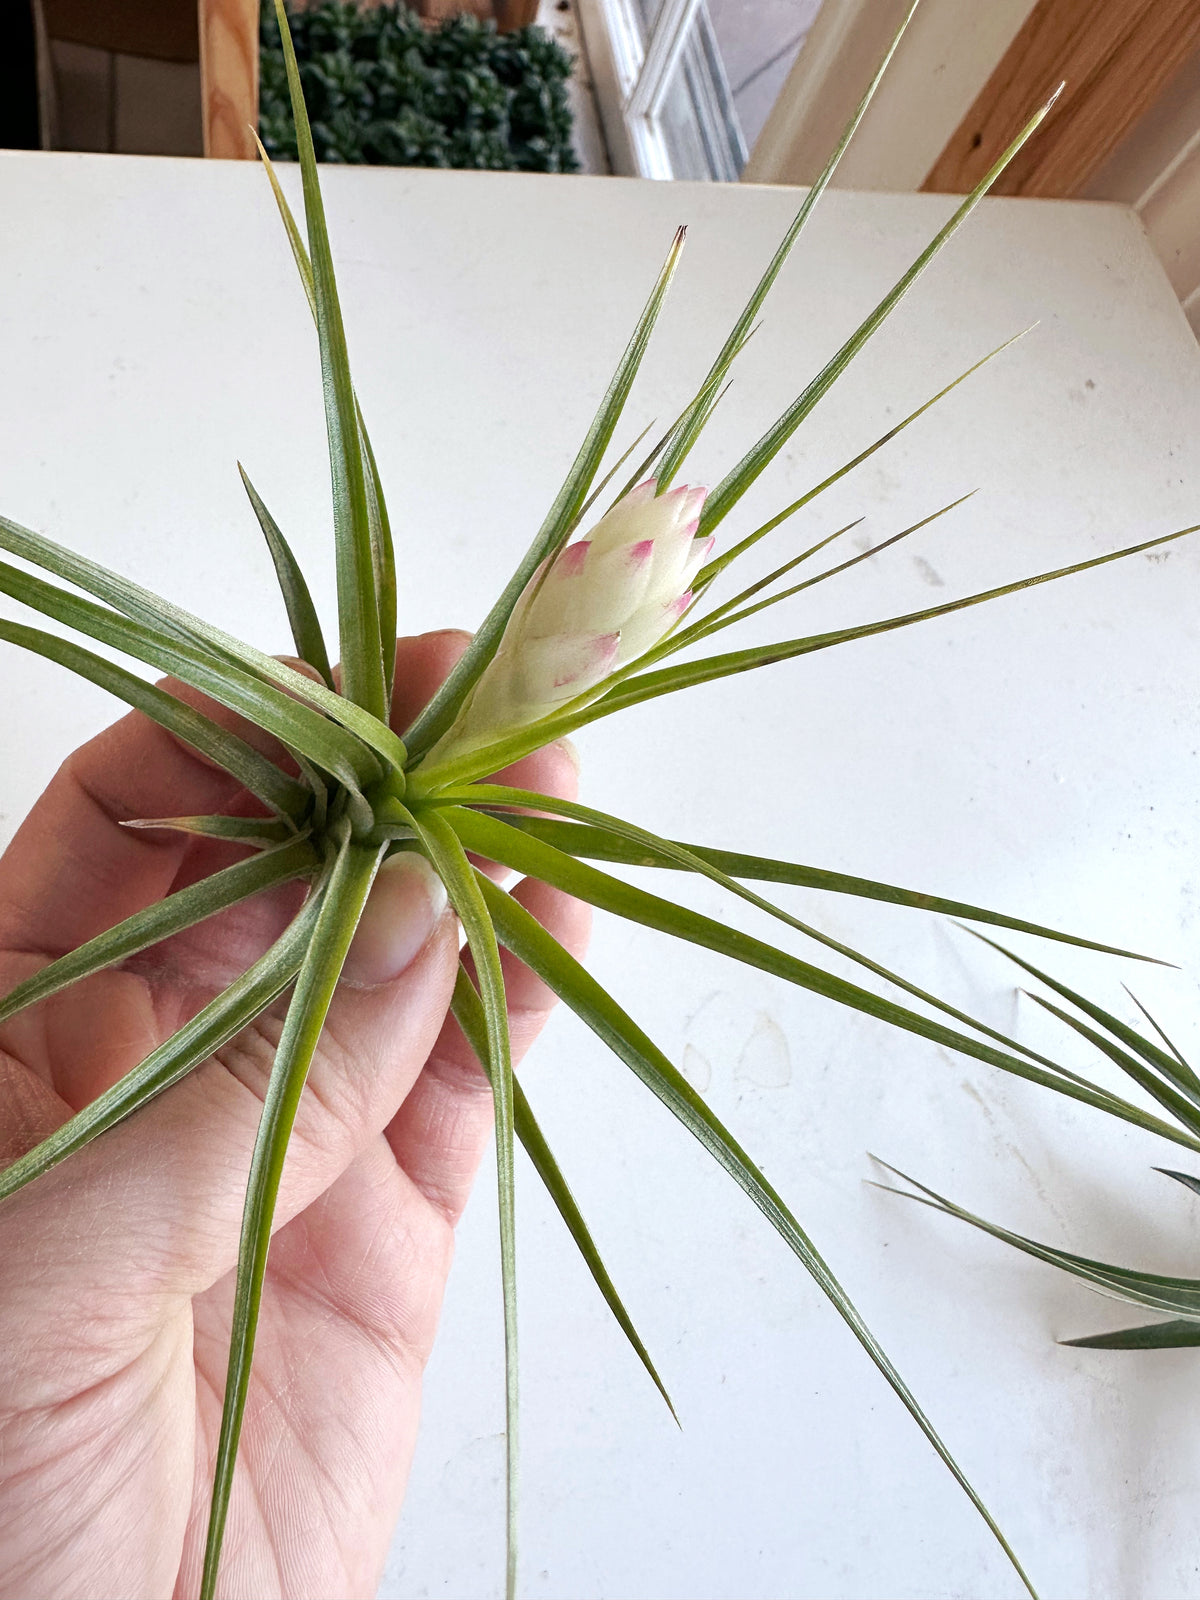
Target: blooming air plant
x: 591, y: 621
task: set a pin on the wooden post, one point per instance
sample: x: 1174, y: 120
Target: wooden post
x: 229, y: 77
x: 1116, y: 56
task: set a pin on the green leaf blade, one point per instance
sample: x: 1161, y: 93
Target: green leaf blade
x: 1181, y: 1106
x: 494, y: 840
x: 1178, y: 1334
x: 184, y: 909
x: 358, y: 603
x: 599, y: 845
x: 733, y: 613
x: 1187, y: 1179
x: 682, y: 859
x: 293, y: 722
x: 382, y: 549
x: 717, y: 565
x: 468, y: 1013
x: 170, y: 627
x: 531, y: 944
x: 446, y: 703
x: 219, y: 1021
x: 731, y: 488
x: 740, y: 332
x: 383, y: 557
x: 448, y: 857
x: 708, y: 669
x: 340, y: 906
x: 251, y: 769
x: 1156, y: 1291
x: 1158, y: 1030
x: 261, y: 833
x: 687, y: 674
x: 1172, y: 1068
x: 297, y: 598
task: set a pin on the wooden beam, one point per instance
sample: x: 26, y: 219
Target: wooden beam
x: 229, y: 77
x: 1116, y: 57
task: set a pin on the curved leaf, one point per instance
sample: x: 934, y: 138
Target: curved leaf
x: 446, y: 703
x: 294, y: 722
x: 681, y: 858
x: 599, y: 845
x: 468, y: 1013
x: 302, y: 614
x: 252, y: 770
x: 234, y: 1009
x: 1160, y: 1293
x: 530, y: 943
x: 170, y: 624
x: 496, y: 841
x: 183, y: 909
x: 336, y: 918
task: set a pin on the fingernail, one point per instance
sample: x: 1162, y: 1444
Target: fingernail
x: 572, y: 754
x: 304, y: 668
x: 404, y: 907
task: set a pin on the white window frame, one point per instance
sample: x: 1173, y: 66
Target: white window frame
x: 632, y: 76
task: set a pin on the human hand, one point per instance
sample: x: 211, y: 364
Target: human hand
x: 116, y: 1269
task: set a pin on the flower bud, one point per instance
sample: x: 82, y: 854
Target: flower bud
x: 597, y: 605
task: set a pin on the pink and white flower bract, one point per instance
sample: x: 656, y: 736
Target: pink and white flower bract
x: 599, y: 604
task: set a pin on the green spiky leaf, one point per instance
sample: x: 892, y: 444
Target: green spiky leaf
x: 529, y: 941
x: 469, y: 1014
x: 335, y: 918
x: 302, y: 614
x: 218, y: 1022
x: 447, y: 855
x: 441, y: 710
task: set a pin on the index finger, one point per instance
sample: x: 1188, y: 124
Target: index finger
x: 72, y: 870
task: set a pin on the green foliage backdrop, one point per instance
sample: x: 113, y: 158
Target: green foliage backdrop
x: 386, y: 91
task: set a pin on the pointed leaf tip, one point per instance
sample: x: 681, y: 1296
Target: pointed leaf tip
x: 1185, y: 1178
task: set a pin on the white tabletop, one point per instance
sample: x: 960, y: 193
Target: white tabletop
x: 1041, y: 755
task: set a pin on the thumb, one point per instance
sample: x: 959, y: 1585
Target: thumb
x: 153, y: 1209
x: 406, y: 901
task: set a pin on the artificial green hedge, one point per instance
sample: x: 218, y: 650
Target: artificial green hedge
x: 383, y: 90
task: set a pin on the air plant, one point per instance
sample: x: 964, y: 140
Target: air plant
x: 1158, y: 1068
x: 585, y: 627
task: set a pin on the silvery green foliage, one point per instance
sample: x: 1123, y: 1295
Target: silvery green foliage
x: 630, y: 598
